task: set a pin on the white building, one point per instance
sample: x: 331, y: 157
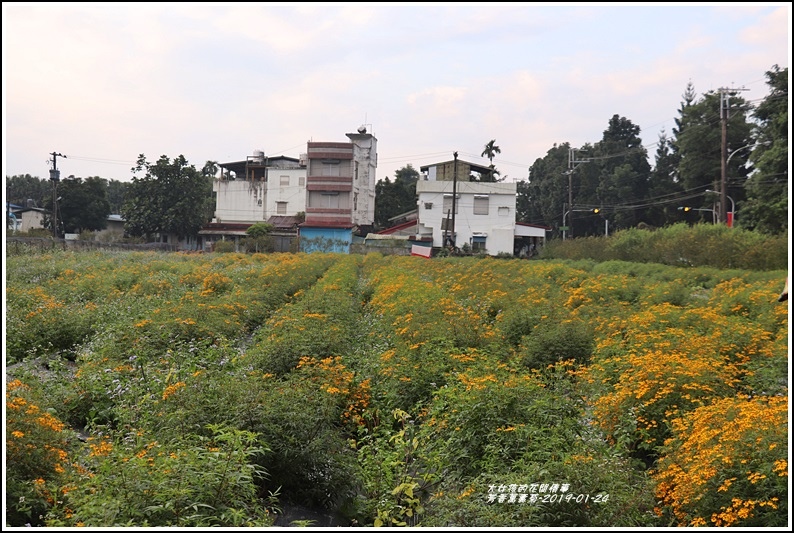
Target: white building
x: 485, y: 213
x: 252, y: 191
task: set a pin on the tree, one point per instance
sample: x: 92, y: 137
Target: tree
x: 766, y: 208
x: 397, y: 197
x: 21, y: 188
x: 663, y: 188
x: 490, y: 152
x: 172, y: 197
x: 688, y: 98
x: 210, y: 169
x: 116, y: 191
x: 623, y: 172
x: 699, y: 144
x: 547, y: 187
x: 523, y: 201
x: 259, y: 239
x: 82, y: 204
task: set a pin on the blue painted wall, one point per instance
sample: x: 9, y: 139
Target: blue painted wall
x: 326, y: 239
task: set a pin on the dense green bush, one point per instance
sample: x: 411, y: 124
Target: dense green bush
x: 551, y: 342
x: 223, y: 247
x: 680, y: 245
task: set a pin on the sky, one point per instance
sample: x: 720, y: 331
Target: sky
x: 102, y: 83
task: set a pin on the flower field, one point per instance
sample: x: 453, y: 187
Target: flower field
x: 170, y: 389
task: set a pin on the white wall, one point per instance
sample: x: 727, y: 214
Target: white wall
x: 255, y: 201
x: 498, y: 225
x: 294, y: 193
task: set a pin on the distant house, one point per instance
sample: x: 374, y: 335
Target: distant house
x: 114, y: 229
x: 28, y: 218
x: 257, y: 189
x: 485, y: 213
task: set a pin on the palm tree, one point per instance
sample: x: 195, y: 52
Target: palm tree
x: 490, y: 151
x: 210, y: 169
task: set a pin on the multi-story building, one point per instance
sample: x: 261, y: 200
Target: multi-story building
x: 258, y: 189
x: 253, y: 190
x: 485, y: 213
x: 340, y: 192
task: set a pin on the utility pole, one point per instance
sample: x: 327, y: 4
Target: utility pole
x: 725, y: 94
x: 55, y: 177
x: 572, y: 164
x: 454, y: 198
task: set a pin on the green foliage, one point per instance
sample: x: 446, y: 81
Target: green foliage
x: 259, y: 239
x: 319, y: 324
x: 172, y: 197
x: 19, y: 188
x: 264, y: 244
x: 518, y: 322
x: 766, y: 207
x: 83, y: 204
x: 391, y: 489
x: 190, y: 482
x: 551, y: 342
x: 223, y: 247
x: 37, y: 446
x: 679, y: 245
x: 393, y: 198
x: 260, y: 229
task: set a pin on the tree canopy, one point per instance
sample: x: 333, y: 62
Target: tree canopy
x: 766, y: 207
x: 393, y: 198
x: 83, y: 204
x: 171, y: 197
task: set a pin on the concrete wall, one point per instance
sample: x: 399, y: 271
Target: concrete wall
x: 255, y: 201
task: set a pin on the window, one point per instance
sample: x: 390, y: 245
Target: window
x: 281, y: 208
x: 504, y: 211
x: 478, y: 243
x: 330, y: 167
x: 285, y: 181
x: 448, y: 204
x: 480, y: 204
x: 329, y: 199
x: 301, y: 181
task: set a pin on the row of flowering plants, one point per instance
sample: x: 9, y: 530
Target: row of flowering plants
x: 208, y: 389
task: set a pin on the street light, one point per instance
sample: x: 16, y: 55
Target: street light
x: 751, y: 145
x: 594, y: 210
x: 723, y: 185
x: 733, y: 206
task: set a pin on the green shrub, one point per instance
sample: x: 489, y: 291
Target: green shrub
x: 223, y: 247
x: 551, y: 342
x: 191, y: 482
